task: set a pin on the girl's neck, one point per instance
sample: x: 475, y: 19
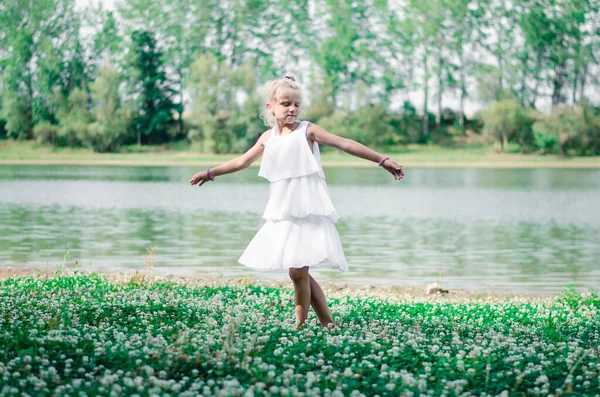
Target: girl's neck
x: 291, y: 126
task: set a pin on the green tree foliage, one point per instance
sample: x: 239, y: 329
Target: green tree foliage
x: 180, y: 28
x: 422, y: 28
x: 74, y: 118
x: 571, y: 129
x: 507, y: 119
x: 359, y: 61
x: 211, y: 95
x: 45, y: 132
x: 462, y: 20
x: 110, y: 128
x: 343, y: 55
x: 41, y: 53
x: 221, y: 122
x: 498, y: 32
x: 545, y: 136
x: 107, y: 41
x: 246, y: 127
x: 151, y: 88
x: 16, y: 111
x: 371, y: 125
x: 17, y: 73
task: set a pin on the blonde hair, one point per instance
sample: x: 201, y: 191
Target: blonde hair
x: 274, y: 90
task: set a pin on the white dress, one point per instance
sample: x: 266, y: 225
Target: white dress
x: 300, y: 217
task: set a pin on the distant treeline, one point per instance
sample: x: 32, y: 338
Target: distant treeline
x: 102, y: 79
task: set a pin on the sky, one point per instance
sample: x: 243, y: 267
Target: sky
x: 108, y: 4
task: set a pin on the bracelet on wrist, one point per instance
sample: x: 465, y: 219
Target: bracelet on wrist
x: 212, y: 178
x: 383, y: 161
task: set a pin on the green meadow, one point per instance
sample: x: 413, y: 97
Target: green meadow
x: 88, y: 334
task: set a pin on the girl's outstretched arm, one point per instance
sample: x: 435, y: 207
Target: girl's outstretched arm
x: 234, y: 165
x: 316, y: 133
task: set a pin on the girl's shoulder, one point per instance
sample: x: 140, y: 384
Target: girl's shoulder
x: 265, y: 136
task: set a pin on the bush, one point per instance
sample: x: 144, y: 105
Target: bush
x: 104, y: 137
x: 71, y: 133
x: 3, y: 132
x: 17, y: 115
x: 407, y: 125
x: 545, y: 139
x: 508, y: 121
x: 222, y: 137
x: 572, y: 129
x: 45, y: 133
x: 74, y: 117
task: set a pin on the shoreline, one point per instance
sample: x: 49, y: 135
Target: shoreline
x: 406, y: 164
x: 412, y: 155
x: 330, y: 288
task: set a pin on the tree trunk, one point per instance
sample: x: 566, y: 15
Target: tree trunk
x: 574, y: 93
x: 426, y: 95
x: 583, y: 80
x: 536, y: 76
x: 563, y: 149
x: 440, y: 73
x: 438, y: 117
x: 180, y: 102
x: 29, y: 113
x: 558, y: 83
x: 463, y: 91
x: 524, y: 79
x: 500, y: 70
x: 504, y: 142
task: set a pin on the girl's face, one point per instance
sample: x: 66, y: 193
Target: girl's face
x: 285, y: 109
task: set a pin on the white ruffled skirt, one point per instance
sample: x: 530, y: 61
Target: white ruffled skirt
x: 299, y: 229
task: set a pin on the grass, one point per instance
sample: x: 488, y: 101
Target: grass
x: 28, y: 152
x: 69, y: 333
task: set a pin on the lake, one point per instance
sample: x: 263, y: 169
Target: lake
x: 509, y: 230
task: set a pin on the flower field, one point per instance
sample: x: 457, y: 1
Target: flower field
x: 85, y: 335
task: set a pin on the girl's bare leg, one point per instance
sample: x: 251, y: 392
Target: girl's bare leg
x: 319, y: 303
x: 302, y: 296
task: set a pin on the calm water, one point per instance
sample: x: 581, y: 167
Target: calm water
x: 530, y: 231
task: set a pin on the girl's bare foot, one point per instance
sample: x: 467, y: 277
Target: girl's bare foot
x: 330, y: 327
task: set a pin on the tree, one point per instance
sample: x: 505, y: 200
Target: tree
x: 463, y: 17
x: 74, y: 117
x: 397, y: 51
x: 180, y: 28
x: 152, y: 89
x: 211, y: 94
x: 344, y: 52
x: 108, y: 39
x: 41, y: 55
x: 108, y: 131
x: 422, y: 23
x: 497, y: 35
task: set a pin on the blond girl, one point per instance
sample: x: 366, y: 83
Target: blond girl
x: 299, y: 233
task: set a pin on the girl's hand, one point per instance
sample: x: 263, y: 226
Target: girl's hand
x: 200, y: 176
x: 393, y: 168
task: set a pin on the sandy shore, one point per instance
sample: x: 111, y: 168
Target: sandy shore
x: 337, y: 289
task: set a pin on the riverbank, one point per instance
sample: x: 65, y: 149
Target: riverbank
x: 68, y: 334
x: 382, y: 291
x: 29, y: 153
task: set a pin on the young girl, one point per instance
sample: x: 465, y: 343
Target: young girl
x: 299, y: 232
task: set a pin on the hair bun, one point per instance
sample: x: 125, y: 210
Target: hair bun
x: 290, y: 78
